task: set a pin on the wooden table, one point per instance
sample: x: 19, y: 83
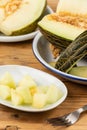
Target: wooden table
x: 21, y: 54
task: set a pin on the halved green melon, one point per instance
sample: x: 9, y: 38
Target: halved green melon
x: 62, y: 27
x: 20, y: 16
x: 57, y: 32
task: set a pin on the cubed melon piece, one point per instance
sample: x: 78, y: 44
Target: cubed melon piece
x: 8, y: 80
x: 16, y: 98
x: 5, y: 92
x: 53, y: 94
x: 25, y: 93
x: 39, y: 100
x: 27, y: 81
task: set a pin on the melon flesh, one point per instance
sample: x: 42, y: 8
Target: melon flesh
x: 72, y: 6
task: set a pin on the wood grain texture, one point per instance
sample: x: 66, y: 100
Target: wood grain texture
x: 21, y: 53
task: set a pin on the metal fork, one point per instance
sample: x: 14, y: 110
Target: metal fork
x: 67, y: 119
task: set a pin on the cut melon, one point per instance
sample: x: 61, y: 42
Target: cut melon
x: 58, y: 33
x: 39, y: 100
x: 5, y: 92
x: 20, y: 16
x: 16, y: 98
x: 25, y: 93
x: 53, y: 94
x: 7, y: 79
x: 80, y: 71
x: 27, y: 81
x: 69, y: 21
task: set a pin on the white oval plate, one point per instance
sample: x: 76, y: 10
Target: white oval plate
x: 44, y: 55
x: 4, y: 38
x: 40, y: 77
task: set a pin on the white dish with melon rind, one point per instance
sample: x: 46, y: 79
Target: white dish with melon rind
x: 43, y: 53
x: 40, y: 77
x: 4, y: 38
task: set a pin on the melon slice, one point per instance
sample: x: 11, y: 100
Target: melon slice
x: 20, y: 16
x: 67, y: 23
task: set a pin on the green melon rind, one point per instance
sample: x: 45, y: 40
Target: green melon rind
x: 25, y: 30
x: 56, y: 40
x: 73, y: 53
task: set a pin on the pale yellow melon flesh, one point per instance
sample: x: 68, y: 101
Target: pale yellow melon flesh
x: 80, y: 71
x: 72, y: 6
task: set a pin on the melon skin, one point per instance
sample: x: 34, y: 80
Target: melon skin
x: 24, y: 20
x: 73, y: 53
x: 56, y: 40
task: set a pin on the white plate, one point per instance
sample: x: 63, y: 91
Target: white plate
x: 40, y: 77
x: 4, y: 38
x: 44, y: 55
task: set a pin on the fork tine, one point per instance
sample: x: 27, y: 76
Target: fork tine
x: 59, y: 121
x: 56, y: 121
x: 68, y: 124
x: 57, y: 118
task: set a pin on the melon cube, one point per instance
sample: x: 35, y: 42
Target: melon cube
x: 5, y: 92
x: 25, y: 93
x: 16, y: 98
x: 39, y: 100
x: 53, y: 94
x: 27, y: 81
x: 8, y: 80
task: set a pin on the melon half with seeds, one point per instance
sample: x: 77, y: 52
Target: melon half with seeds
x: 20, y: 16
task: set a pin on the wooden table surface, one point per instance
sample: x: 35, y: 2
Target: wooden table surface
x: 21, y: 53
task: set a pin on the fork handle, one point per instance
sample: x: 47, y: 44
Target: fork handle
x: 85, y: 108
x: 82, y: 109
